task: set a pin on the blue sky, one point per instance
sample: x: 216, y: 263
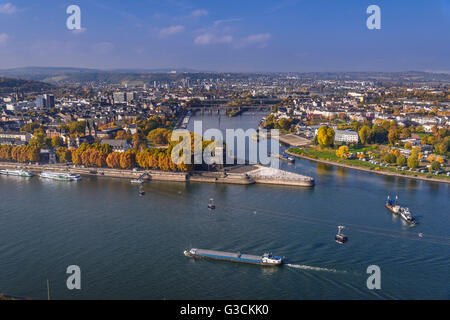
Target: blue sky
x: 228, y: 35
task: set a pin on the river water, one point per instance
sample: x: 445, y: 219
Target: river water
x: 131, y: 247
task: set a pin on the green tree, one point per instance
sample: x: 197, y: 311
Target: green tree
x: 390, y: 158
x: 378, y: 134
x: 413, y: 162
x: 401, y: 160
x: 57, y: 142
x: 435, y: 166
x: 393, y: 136
x: 364, y: 134
x: 325, y: 136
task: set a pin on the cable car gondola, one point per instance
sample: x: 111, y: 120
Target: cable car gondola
x: 211, y: 204
x: 340, y: 237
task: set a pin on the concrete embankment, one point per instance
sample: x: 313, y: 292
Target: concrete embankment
x: 337, y: 164
x: 221, y: 178
x: 104, y: 172
x: 267, y: 175
x: 246, y: 175
x: 294, y: 140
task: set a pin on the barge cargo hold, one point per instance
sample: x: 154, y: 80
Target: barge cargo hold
x: 266, y: 259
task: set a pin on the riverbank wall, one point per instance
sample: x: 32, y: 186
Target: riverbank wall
x: 242, y: 178
x: 268, y: 175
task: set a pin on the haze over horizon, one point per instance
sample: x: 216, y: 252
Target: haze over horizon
x: 232, y: 36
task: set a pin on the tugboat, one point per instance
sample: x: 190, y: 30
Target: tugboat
x: 211, y: 204
x: 404, y: 213
x: 340, y: 237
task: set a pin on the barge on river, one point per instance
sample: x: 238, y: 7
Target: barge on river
x: 396, y: 209
x: 266, y: 259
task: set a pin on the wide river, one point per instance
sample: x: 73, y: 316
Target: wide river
x: 131, y: 247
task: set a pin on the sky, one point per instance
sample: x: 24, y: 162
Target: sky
x: 228, y: 35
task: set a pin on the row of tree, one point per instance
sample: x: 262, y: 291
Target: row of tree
x: 19, y: 153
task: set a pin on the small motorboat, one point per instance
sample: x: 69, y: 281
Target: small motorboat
x: 211, y: 204
x: 340, y: 237
x: 407, y: 216
x: 141, y: 192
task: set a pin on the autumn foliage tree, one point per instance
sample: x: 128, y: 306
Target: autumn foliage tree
x: 325, y: 136
x: 128, y: 159
x: 19, y: 153
x: 113, y: 160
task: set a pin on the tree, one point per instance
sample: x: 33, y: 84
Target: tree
x: 57, y: 141
x: 343, y: 152
x: 128, y: 159
x: 440, y: 159
x: 413, y: 162
x: 390, y: 158
x: 364, y: 134
x: 435, y: 166
x: 40, y: 140
x: 378, y: 134
x: 113, y: 160
x: 142, y: 159
x: 417, y: 152
x: 401, y: 160
x: 284, y: 123
x: 64, y: 155
x: 393, y: 136
x: 159, y: 137
x: 325, y: 136
x: 123, y: 135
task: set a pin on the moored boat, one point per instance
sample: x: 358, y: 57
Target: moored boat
x: 18, y: 173
x: 60, y: 176
x: 283, y: 157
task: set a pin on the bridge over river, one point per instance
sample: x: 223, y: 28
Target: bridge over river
x: 224, y: 109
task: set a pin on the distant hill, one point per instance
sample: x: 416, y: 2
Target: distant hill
x: 67, y: 75
x: 8, y: 85
x: 76, y: 75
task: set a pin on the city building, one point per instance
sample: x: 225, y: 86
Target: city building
x: 346, y: 136
x: 120, y: 145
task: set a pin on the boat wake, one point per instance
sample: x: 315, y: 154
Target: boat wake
x: 303, y: 267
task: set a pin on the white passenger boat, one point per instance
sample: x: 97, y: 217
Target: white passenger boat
x: 19, y: 173
x: 60, y: 176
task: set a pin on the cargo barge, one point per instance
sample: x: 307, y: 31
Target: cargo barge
x: 267, y: 259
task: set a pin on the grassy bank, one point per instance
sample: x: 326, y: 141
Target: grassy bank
x: 329, y: 155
